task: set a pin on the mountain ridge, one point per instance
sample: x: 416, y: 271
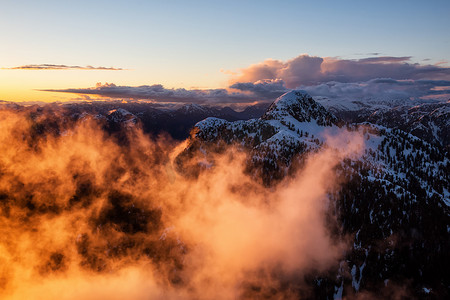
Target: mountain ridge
x: 397, y: 190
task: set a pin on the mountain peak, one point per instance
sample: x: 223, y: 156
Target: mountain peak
x: 119, y: 111
x: 299, y: 105
x: 120, y: 115
x: 193, y: 108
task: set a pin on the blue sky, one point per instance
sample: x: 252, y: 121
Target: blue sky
x: 188, y: 44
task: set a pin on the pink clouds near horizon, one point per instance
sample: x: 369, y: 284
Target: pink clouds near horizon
x: 321, y: 76
x: 305, y: 70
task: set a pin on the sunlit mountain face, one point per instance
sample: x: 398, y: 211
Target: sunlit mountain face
x: 297, y: 199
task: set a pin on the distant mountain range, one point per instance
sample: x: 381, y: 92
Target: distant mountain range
x: 176, y: 120
x: 428, y: 120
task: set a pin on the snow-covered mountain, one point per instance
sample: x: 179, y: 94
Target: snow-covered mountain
x: 300, y: 106
x: 123, y: 117
x: 395, y: 202
x: 429, y: 121
x: 369, y: 104
x: 426, y: 119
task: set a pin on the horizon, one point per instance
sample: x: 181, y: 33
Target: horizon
x: 221, y: 53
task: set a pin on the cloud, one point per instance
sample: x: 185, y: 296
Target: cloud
x: 382, y: 88
x: 262, y: 71
x: 375, y: 88
x: 380, y: 76
x: 61, y: 67
x: 388, y: 76
x: 305, y: 70
x: 159, y: 93
x: 385, y: 59
x: 86, y: 217
x: 265, y: 89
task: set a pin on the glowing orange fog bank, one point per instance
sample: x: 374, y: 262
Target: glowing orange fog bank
x: 83, y: 217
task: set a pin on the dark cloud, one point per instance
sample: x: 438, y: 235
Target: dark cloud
x: 385, y: 59
x: 159, y: 93
x: 368, y: 54
x: 61, y: 67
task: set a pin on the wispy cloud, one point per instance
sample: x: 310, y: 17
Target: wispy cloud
x: 385, y: 59
x: 60, y: 67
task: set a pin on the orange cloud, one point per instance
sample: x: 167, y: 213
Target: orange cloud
x: 61, y: 67
x: 84, y: 216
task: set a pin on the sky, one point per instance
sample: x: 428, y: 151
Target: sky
x: 221, y: 51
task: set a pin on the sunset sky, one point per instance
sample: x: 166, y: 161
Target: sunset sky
x: 221, y: 51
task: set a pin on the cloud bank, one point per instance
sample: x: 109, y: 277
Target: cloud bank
x: 321, y: 76
x: 307, y: 70
x: 382, y: 88
x: 372, y: 77
x: 159, y: 93
x: 61, y: 67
